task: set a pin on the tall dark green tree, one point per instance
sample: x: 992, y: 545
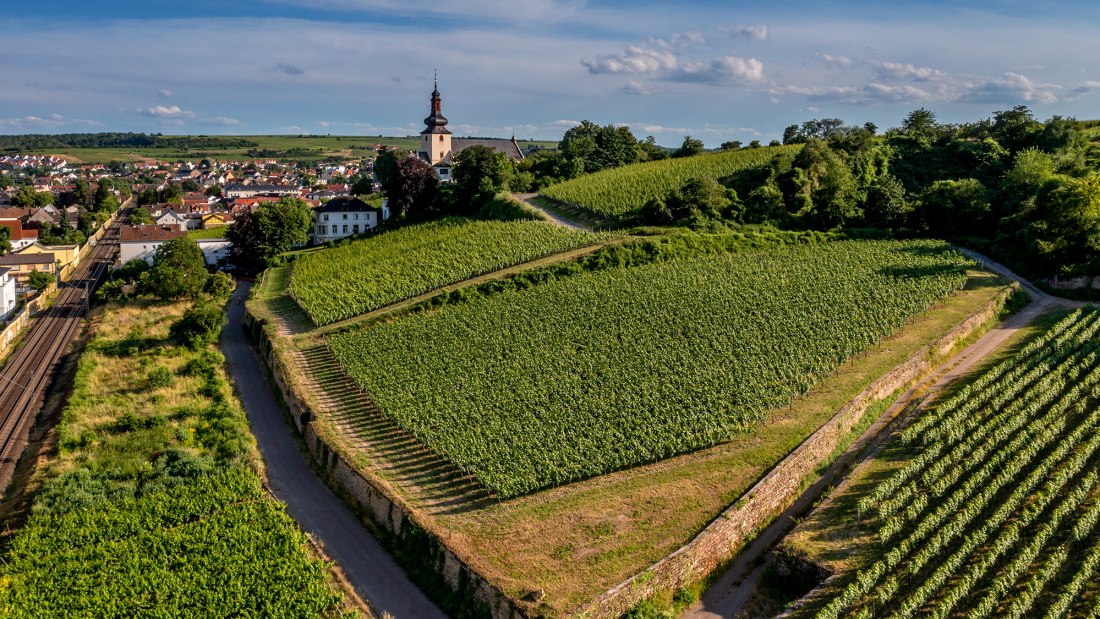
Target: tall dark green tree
x: 178, y: 270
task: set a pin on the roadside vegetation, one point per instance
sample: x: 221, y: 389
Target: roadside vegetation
x: 153, y: 501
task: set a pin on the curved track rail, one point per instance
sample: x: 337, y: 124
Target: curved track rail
x: 27, y: 375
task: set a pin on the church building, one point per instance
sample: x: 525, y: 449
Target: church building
x: 438, y: 148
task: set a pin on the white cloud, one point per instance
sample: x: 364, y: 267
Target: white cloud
x: 636, y: 59
x: 634, y: 87
x: 869, y: 93
x: 1009, y: 88
x: 722, y: 70
x: 906, y: 71
x: 755, y: 32
x: 840, y: 61
x: 164, y: 93
x: 50, y: 121
x: 220, y: 121
x: 160, y: 111
x: 1083, y: 89
x: 565, y: 124
x: 325, y: 124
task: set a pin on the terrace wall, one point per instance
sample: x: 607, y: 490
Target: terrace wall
x: 425, y: 557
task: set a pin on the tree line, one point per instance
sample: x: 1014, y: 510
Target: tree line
x: 40, y: 141
x: 1023, y: 190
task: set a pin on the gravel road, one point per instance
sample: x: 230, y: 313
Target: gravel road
x: 368, y: 567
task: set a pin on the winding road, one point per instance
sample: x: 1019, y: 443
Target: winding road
x: 371, y: 570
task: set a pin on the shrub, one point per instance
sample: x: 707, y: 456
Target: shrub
x: 199, y: 325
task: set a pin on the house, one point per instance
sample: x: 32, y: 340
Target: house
x: 63, y: 254
x: 171, y: 218
x: 46, y: 214
x: 439, y: 149
x: 22, y: 265
x: 247, y: 191
x: 142, y: 241
x: 216, y: 220
x: 20, y: 236
x: 8, y: 294
x: 215, y: 251
x: 344, y: 216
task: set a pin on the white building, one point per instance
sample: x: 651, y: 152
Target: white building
x: 7, y: 293
x: 214, y: 250
x: 143, y: 241
x: 345, y: 216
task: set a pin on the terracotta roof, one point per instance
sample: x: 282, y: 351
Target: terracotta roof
x: 18, y: 232
x: 14, y: 213
x: 137, y: 234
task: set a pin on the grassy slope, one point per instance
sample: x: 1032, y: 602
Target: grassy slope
x: 576, y: 541
x: 619, y: 192
x: 113, y: 432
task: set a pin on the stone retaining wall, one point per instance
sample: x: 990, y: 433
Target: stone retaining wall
x: 425, y: 557
x: 723, y: 538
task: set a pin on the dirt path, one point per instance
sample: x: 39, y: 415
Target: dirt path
x: 736, y: 586
x: 369, y: 568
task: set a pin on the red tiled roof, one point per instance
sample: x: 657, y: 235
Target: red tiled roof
x: 137, y: 234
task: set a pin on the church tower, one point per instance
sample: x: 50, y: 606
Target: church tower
x: 435, y: 139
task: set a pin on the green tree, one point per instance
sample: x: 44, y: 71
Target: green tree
x: 272, y: 229
x: 690, y: 147
x: 479, y: 174
x: 39, y: 280
x: 200, y: 325
x: 219, y: 285
x: 214, y: 190
x: 283, y: 225
x: 731, y: 145
x: 178, y: 270
x: 140, y: 216
x: 362, y: 185
x: 954, y: 208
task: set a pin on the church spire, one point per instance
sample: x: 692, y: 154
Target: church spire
x: 436, y: 122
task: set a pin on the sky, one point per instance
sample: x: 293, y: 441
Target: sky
x: 714, y: 70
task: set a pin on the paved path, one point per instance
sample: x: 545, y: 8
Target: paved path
x: 737, y: 584
x: 555, y: 216
x: 368, y: 567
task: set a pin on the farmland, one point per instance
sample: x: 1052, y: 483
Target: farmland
x: 154, y: 499
x: 609, y: 370
x: 990, y: 505
x: 292, y: 147
x: 617, y: 193
x: 348, y: 280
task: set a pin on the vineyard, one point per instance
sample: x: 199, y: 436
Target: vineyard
x: 607, y: 370
x: 618, y: 192
x: 995, y: 513
x: 345, y: 281
x: 153, y: 504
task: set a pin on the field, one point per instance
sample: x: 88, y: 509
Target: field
x: 154, y: 500
x: 348, y: 280
x: 291, y: 147
x: 608, y: 370
x: 617, y: 193
x: 989, y: 503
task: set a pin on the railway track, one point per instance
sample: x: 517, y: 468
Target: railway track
x: 26, y: 376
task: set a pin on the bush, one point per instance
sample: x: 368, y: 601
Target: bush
x: 39, y: 280
x: 219, y: 285
x: 199, y: 326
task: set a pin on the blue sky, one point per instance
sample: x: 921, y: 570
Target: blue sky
x: 714, y: 70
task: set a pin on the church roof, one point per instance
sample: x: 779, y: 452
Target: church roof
x: 508, y: 147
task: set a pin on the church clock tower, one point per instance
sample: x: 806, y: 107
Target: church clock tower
x: 435, y: 139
